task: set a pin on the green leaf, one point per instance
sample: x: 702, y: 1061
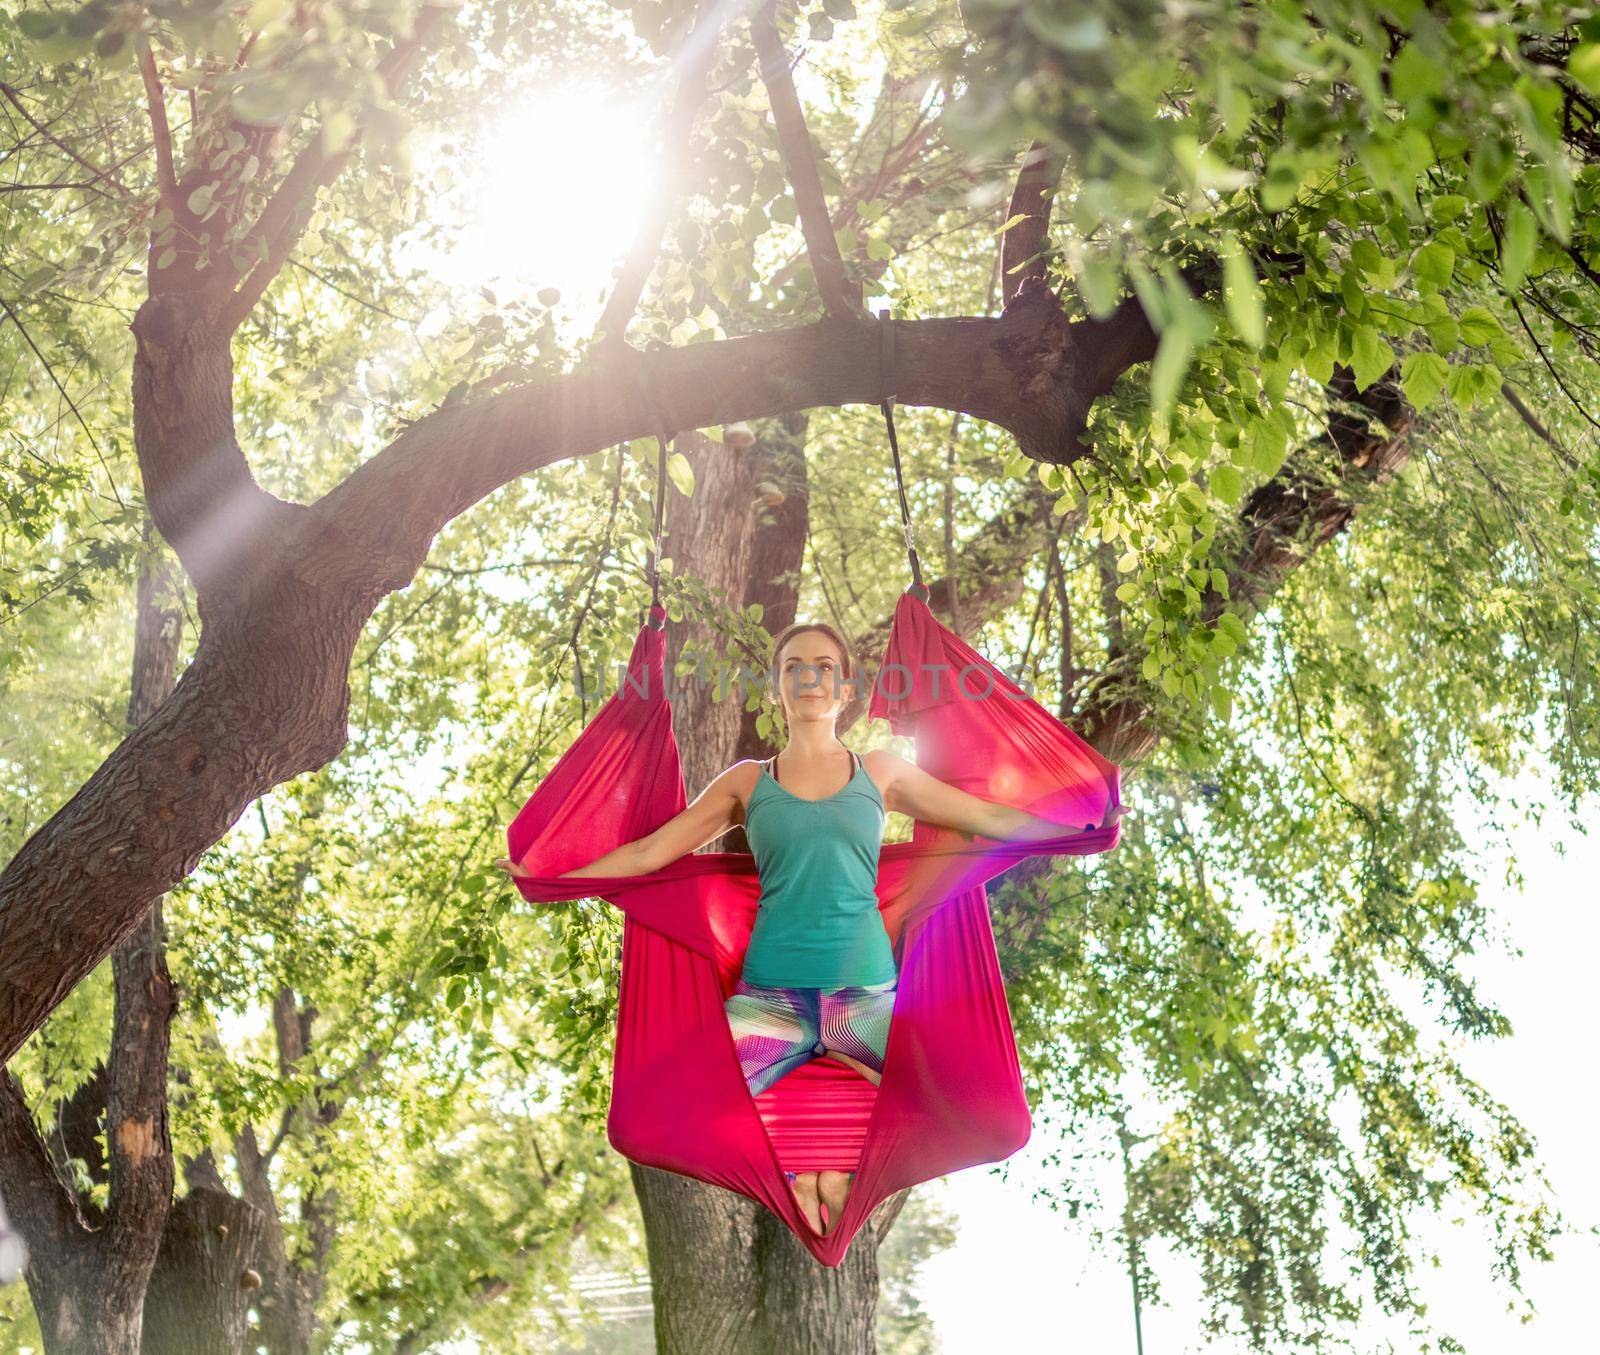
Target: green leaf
x: 681, y: 473
x: 1245, y: 308
x: 1281, y: 183
x: 1319, y: 359
x: 1584, y: 66
x: 1433, y: 264
x: 166, y: 258
x: 840, y: 10
x: 1230, y: 622
x: 200, y: 199
x: 1367, y: 257
x: 548, y: 296
x: 1227, y: 483
x: 1167, y: 372
x: 1097, y: 285
x: 1478, y: 325
x: 1373, y: 264
x: 1444, y: 334
x: 1493, y: 159
x: 1271, y: 445
x: 1370, y: 356
x: 1422, y: 377
x: 1520, y: 241
x: 1414, y: 75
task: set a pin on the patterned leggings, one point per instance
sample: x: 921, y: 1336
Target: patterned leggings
x: 775, y: 1030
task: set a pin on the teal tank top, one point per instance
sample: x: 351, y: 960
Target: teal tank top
x: 817, y: 923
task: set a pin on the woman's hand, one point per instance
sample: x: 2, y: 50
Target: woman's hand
x: 513, y: 868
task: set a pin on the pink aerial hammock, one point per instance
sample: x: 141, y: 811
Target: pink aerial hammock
x: 951, y: 1090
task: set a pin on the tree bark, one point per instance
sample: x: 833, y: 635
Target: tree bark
x: 205, y: 1279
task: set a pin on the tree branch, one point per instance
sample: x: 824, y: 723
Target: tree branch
x: 695, y: 57
x: 1022, y: 370
x: 42, y: 1209
x: 839, y: 296
x: 288, y: 209
x: 155, y: 97
x: 1023, y: 257
x: 266, y: 696
x: 1512, y: 398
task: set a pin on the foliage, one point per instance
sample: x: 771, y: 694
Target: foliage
x: 1271, y: 967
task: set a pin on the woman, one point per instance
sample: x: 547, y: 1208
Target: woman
x: 819, y: 974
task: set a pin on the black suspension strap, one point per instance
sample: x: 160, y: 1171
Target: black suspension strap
x: 887, y: 377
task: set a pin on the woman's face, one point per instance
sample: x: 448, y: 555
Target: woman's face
x: 811, y: 680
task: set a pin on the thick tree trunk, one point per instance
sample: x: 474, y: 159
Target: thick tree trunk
x: 77, y: 1316
x: 809, y: 1309
x: 205, y: 1279
x: 728, y: 1278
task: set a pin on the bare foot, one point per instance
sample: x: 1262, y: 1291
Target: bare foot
x: 513, y: 868
x: 805, y: 1194
x: 834, y: 1188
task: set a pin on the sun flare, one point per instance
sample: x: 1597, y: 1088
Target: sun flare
x: 556, y: 193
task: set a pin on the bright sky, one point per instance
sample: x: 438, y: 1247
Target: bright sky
x: 555, y: 197
x: 555, y: 191
x: 1023, y: 1278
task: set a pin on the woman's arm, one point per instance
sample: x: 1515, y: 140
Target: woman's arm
x: 716, y: 809
x: 908, y: 789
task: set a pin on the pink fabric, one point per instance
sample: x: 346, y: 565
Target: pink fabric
x: 951, y: 1093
